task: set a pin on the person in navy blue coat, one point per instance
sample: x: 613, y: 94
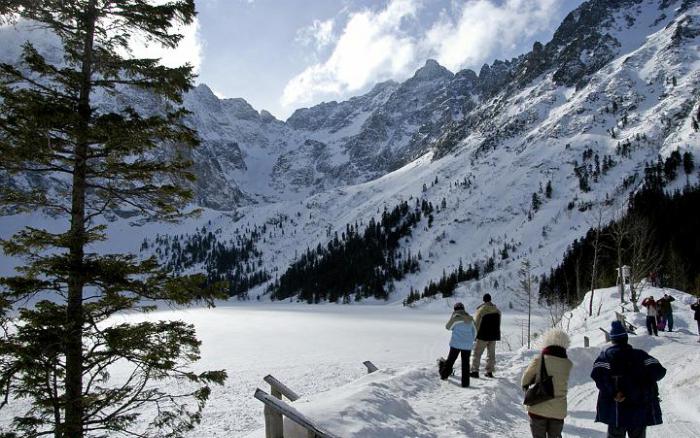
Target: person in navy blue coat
x: 463, y: 333
x: 628, y: 397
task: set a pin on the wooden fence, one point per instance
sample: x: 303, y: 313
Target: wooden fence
x: 276, y: 409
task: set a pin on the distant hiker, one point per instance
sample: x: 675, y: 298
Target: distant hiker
x: 462, y: 341
x: 547, y: 418
x: 488, y: 331
x: 666, y: 310
x: 628, y: 396
x: 652, y: 313
x: 696, y: 308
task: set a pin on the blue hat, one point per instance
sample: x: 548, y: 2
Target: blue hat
x: 617, y: 331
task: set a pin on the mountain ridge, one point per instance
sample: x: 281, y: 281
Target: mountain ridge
x: 486, y: 144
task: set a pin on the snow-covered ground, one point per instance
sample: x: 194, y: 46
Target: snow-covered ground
x: 311, y: 348
x: 409, y: 400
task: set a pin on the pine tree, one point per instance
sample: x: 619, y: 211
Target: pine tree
x: 56, y: 355
x: 688, y: 164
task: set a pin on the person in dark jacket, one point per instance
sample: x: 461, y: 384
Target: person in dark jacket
x: 488, y: 331
x: 628, y: 397
x: 462, y: 326
x: 666, y: 310
x: 696, y: 307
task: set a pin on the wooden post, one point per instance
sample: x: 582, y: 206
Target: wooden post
x: 274, y: 423
x: 274, y: 426
x: 370, y: 367
x: 607, y: 334
x: 586, y: 342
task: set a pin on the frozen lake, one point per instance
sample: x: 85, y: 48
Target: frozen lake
x: 310, y: 348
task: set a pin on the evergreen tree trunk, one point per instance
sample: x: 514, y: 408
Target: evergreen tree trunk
x: 74, y: 308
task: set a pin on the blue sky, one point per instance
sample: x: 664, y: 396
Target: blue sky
x: 281, y: 55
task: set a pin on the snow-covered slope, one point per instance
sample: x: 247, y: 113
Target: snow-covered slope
x: 639, y: 105
x: 486, y: 144
x: 413, y: 402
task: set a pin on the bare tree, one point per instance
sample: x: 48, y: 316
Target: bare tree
x: 596, y: 251
x: 645, y: 256
x: 557, y: 309
x: 525, y: 291
x: 620, y: 231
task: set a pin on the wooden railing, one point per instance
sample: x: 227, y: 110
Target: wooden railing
x: 279, y: 389
x: 276, y: 408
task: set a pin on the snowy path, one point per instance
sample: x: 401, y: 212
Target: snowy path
x: 413, y: 402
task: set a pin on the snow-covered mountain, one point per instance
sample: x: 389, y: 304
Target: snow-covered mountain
x: 616, y: 87
x: 618, y: 84
x: 262, y: 159
x: 626, y: 52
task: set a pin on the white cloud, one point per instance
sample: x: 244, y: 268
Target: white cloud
x: 319, y: 34
x: 484, y: 29
x: 372, y: 46
x: 189, y: 50
x: 375, y: 45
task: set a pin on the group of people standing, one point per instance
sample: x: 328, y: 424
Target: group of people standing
x: 626, y: 377
x: 478, y: 334
x: 659, y: 313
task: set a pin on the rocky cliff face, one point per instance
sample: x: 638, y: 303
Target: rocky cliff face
x: 343, y: 143
x: 249, y: 157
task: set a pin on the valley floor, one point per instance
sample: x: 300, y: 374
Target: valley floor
x: 314, y: 349
x: 318, y: 350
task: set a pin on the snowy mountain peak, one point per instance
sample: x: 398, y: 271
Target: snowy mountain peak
x: 240, y: 109
x: 432, y: 70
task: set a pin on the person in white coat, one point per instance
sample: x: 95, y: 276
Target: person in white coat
x: 547, y: 418
x: 463, y: 332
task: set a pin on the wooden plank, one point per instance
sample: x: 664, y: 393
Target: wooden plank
x: 370, y: 367
x: 283, y: 408
x: 279, y: 388
x: 628, y: 326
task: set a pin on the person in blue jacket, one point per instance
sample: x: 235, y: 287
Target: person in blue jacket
x: 628, y: 397
x: 462, y: 341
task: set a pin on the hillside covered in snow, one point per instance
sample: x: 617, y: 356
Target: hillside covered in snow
x: 515, y: 161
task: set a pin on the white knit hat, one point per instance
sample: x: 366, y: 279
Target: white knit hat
x: 556, y: 337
